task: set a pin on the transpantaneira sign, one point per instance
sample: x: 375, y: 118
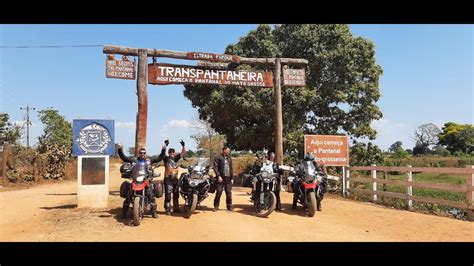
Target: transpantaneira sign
x: 162, y: 74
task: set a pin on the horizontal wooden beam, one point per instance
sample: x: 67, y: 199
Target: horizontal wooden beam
x: 115, y: 49
x: 439, y: 170
x: 381, y: 193
x: 386, y: 181
x: 378, y: 168
x: 450, y: 187
x: 449, y: 203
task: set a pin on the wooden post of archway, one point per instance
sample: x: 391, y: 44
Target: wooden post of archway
x: 142, y: 94
x: 278, y: 114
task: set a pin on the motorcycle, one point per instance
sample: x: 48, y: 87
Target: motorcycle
x: 194, y: 186
x: 264, y: 184
x: 141, y: 179
x: 307, y: 181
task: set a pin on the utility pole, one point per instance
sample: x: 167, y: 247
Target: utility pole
x: 27, y: 123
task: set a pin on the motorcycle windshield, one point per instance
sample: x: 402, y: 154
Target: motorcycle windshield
x: 267, y: 170
x: 139, y: 169
x: 199, y: 168
x: 309, y: 168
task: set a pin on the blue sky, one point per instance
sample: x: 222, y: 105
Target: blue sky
x: 428, y: 72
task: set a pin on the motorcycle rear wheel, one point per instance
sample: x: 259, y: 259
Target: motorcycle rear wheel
x: 268, y: 196
x: 137, y: 211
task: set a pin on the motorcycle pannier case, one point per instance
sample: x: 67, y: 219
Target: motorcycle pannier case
x: 124, y: 188
x: 213, y: 184
x: 125, y: 170
x: 158, y: 188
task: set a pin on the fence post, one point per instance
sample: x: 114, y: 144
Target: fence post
x: 35, y: 171
x: 470, y: 193
x: 347, y: 181
x: 374, y: 184
x: 344, y: 181
x: 6, y: 151
x: 409, y: 187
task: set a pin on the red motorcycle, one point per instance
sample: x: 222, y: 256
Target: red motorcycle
x: 308, y: 185
x: 142, y: 181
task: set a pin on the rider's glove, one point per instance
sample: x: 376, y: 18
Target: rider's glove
x: 182, y: 143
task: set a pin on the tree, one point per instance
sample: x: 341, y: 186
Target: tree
x: 440, y: 150
x: 190, y: 153
x: 9, y: 132
x: 457, y: 137
x: 55, y: 143
x: 340, y: 96
x: 362, y: 154
x: 207, y: 138
x: 400, y: 154
x: 395, y: 147
x: 426, y: 136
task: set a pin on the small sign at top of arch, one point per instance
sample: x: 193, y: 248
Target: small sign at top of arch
x: 294, y: 77
x: 213, y: 57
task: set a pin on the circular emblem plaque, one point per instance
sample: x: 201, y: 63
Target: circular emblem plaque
x: 94, y: 138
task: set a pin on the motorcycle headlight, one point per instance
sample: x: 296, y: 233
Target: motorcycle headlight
x: 193, y: 183
x: 265, y: 175
x: 309, y: 179
x: 140, y: 178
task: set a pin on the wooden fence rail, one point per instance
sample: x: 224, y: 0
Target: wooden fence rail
x: 468, y: 188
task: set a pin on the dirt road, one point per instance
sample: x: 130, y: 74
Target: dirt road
x: 49, y: 213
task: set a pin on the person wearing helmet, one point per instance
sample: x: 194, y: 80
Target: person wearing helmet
x: 142, y: 157
x: 308, y: 157
x: 171, y: 175
x: 276, y: 169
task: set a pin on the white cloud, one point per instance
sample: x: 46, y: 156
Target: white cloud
x: 18, y: 123
x: 388, y: 132
x: 179, y: 123
x: 129, y: 126
x: 22, y: 122
x: 173, y: 124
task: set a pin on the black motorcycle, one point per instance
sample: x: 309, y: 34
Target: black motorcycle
x: 142, y: 177
x: 194, y: 186
x: 308, y: 182
x: 264, y: 184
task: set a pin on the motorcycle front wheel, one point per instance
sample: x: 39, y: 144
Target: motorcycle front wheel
x: 191, y: 206
x: 137, y: 211
x: 311, y: 204
x: 269, y: 204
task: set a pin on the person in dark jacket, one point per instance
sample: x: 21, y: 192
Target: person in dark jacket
x: 223, y: 168
x: 171, y: 176
x: 142, y: 157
